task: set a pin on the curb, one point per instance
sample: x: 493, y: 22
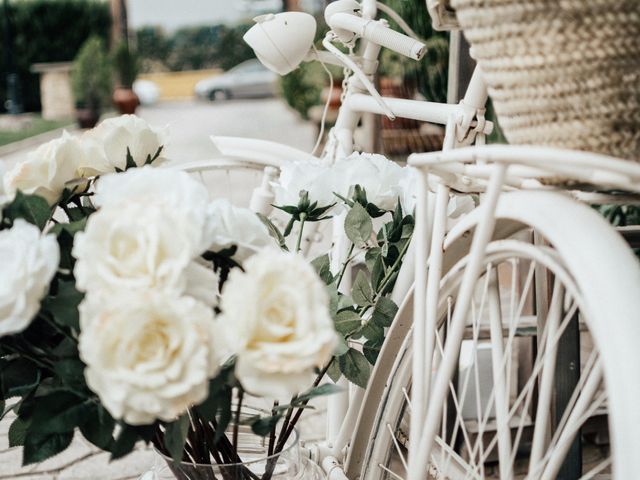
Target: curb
x: 35, y: 140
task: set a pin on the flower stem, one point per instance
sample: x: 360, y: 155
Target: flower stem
x: 303, y: 217
x: 345, y: 264
x: 272, y: 436
x: 236, y: 424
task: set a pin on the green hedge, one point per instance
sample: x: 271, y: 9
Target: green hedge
x: 193, y: 48
x: 48, y: 31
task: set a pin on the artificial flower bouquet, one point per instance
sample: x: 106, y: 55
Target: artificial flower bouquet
x: 135, y: 308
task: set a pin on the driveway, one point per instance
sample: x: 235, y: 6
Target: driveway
x: 191, y: 123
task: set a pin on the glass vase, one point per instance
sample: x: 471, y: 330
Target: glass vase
x: 255, y: 461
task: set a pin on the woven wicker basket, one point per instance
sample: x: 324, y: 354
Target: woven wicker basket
x: 564, y: 73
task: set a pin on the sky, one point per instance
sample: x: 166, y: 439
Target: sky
x: 172, y: 14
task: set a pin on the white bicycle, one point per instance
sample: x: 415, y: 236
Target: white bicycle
x: 515, y: 352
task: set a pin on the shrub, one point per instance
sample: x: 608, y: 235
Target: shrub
x: 48, y: 31
x: 91, y: 75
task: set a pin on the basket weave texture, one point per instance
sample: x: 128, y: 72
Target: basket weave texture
x: 563, y: 73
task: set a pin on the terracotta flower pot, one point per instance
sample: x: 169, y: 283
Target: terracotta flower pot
x: 125, y: 100
x: 87, y: 117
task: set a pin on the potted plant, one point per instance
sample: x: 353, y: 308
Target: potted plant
x: 90, y: 81
x: 126, y: 66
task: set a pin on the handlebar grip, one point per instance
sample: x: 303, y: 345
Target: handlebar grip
x: 376, y: 32
x: 404, y: 45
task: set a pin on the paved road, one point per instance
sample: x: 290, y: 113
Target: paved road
x: 191, y: 124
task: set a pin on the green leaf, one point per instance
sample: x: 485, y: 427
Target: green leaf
x: 224, y: 417
x: 64, y: 306
x: 322, y: 266
x: 355, y: 367
x: 71, y: 372
x: 19, y: 377
x: 347, y: 322
x: 333, y: 371
x: 358, y: 225
x: 371, y: 256
x: 345, y: 301
x: 322, y: 390
x: 341, y: 348
x: 59, y: 412
x: 38, y: 448
x: 371, y: 350
x: 98, y: 427
x: 361, y: 290
x: 175, y: 436
x: 124, y: 444
x: 371, y: 331
x: 18, y: 431
x: 264, y: 425
x: 273, y: 231
x: 377, y: 272
x: 71, y: 228
x: 130, y: 161
x: 32, y: 208
x: 289, y: 227
x: 334, y: 299
x: 384, y: 312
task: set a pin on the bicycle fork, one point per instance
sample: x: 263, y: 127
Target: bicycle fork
x: 425, y: 416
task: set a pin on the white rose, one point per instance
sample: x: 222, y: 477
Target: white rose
x: 312, y: 177
x: 117, y: 134
x: 149, y: 355
x: 29, y: 261
x: 141, y: 246
x: 171, y: 189
x: 4, y: 197
x: 230, y: 225
x: 46, y: 170
x: 379, y: 176
x: 276, y: 318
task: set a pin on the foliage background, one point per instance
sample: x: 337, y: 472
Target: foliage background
x: 192, y: 48
x: 48, y: 31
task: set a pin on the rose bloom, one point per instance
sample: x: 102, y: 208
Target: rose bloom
x: 171, y: 189
x: 46, y: 170
x: 149, y: 355
x: 4, y: 197
x: 142, y: 246
x: 276, y: 318
x: 230, y: 225
x: 29, y: 261
x: 381, y: 178
x: 115, y: 135
x: 313, y: 177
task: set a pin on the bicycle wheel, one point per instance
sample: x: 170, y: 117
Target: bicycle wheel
x: 534, y: 391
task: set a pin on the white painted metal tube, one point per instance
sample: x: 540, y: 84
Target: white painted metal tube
x: 499, y: 377
x: 333, y: 469
x: 433, y: 286
x: 244, y: 147
x: 480, y: 240
x: 376, y: 32
x: 420, y: 239
x: 348, y: 424
x: 414, y: 109
x: 528, y: 155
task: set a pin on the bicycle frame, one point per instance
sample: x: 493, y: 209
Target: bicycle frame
x: 464, y: 123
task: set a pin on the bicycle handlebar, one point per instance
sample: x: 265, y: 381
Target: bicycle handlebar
x: 376, y: 32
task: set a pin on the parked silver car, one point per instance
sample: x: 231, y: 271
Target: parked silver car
x: 248, y: 79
